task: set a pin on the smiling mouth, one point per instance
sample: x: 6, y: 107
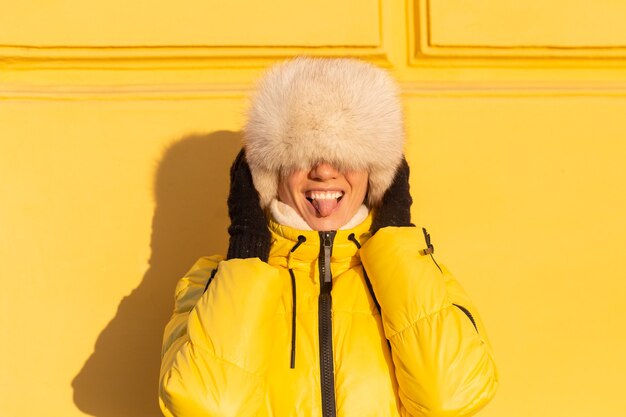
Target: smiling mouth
x: 324, y: 202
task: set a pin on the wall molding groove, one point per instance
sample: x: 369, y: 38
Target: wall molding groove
x: 514, y: 89
x: 423, y: 48
x: 201, y: 91
x: 124, y: 92
x: 158, y: 57
x: 251, y: 53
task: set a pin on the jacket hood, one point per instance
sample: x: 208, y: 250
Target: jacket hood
x: 338, y: 110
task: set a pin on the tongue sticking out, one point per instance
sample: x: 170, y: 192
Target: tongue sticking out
x: 325, y: 206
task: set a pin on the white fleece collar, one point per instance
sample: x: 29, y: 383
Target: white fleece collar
x: 287, y: 216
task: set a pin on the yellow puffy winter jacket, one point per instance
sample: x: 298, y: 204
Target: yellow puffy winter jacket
x: 302, y: 335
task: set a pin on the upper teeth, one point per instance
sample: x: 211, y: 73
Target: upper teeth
x: 324, y: 195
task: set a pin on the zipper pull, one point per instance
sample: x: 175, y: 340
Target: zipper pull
x: 327, y: 241
x: 328, y: 245
x: 430, y: 249
x: 326, y: 249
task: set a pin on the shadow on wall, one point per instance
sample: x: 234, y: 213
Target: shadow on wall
x: 120, y: 378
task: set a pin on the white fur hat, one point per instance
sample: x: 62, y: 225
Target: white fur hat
x: 341, y: 111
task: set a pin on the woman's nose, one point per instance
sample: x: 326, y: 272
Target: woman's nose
x: 323, y: 171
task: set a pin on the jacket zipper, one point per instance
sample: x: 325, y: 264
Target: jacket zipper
x: 327, y: 373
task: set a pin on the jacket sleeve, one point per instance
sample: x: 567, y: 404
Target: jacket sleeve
x: 442, y: 358
x: 216, y: 344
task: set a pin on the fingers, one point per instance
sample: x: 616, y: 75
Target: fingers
x: 249, y: 235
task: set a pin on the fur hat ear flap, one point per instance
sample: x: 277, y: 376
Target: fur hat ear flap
x: 379, y: 182
x: 266, y: 183
x: 339, y: 110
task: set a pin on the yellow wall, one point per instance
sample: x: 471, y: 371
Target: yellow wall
x: 118, y: 123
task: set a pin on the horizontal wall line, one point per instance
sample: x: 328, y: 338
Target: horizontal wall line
x: 514, y: 88
x: 157, y: 57
x: 125, y: 92
x: 241, y: 90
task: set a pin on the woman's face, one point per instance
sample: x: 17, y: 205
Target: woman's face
x: 324, y: 197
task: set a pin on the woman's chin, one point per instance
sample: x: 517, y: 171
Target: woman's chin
x: 332, y: 222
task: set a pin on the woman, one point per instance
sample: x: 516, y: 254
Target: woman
x: 329, y: 302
